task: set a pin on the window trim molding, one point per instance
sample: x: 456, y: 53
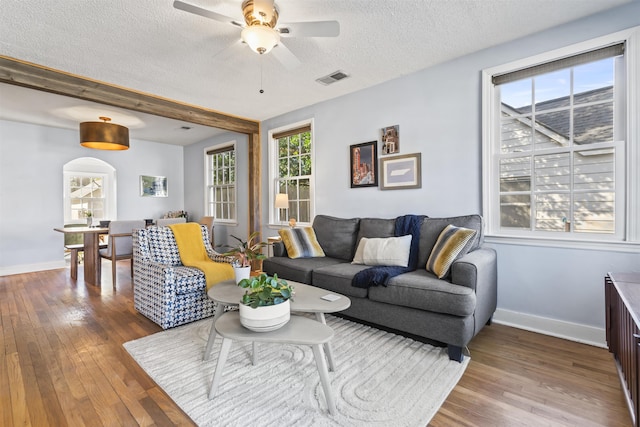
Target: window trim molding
x: 219, y: 147
x: 273, y: 167
x: 490, y: 128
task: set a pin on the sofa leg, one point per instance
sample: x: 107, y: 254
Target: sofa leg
x: 490, y: 321
x: 455, y: 353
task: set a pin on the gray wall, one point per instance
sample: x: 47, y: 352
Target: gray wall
x: 31, y: 189
x: 439, y: 113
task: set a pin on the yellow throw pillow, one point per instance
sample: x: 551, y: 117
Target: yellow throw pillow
x: 448, y: 247
x: 301, y: 242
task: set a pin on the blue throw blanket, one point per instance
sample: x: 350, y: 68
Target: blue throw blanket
x: 380, y: 275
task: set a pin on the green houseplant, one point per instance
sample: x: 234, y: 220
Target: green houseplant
x: 265, y: 304
x: 263, y: 290
x: 247, y: 251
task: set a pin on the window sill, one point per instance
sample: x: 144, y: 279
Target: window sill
x: 593, y: 245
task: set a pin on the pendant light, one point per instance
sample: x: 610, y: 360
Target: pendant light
x: 104, y: 135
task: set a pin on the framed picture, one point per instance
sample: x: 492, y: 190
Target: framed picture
x: 153, y: 186
x: 391, y: 140
x: 364, y: 165
x: 400, y: 172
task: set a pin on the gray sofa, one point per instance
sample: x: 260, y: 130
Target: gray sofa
x: 451, y: 310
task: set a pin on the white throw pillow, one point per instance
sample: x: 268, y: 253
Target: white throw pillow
x: 391, y: 251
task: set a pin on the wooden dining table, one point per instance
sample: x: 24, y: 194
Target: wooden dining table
x: 92, y: 264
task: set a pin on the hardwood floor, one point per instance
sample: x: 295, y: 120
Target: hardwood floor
x: 63, y: 364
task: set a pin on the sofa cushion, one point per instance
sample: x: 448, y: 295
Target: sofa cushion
x: 393, y: 251
x: 422, y: 290
x: 449, y: 246
x: 301, y: 242
x: 336, y: 236
x: 377, y: 227
x: 432, y: 227
x: 338, y: 277
x: 298, y: 270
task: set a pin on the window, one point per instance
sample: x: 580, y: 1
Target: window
x: 556, y: 146
x: 89, y: 186
x: 221, y: 183
x: 291, y: 153
x: 86, y: 195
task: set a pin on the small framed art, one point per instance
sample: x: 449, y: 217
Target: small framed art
x: 153, y: 186
x: 401, y: 172
x: 391, y: 140
x: 364, y: 165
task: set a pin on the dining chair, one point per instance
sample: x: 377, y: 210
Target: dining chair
x: 120, y: 243
x: 74, y: 243
x: 161, y: 222
x: 208, y: 222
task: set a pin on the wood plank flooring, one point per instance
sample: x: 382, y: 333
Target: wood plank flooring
x: 62, y: 364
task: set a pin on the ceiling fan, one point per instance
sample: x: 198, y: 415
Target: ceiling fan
x: 261, y: 30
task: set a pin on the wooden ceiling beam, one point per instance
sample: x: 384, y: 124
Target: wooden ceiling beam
x: 21, y: 73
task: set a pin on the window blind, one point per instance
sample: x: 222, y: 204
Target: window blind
x: 295, y: 131
x: 220, y: 150
x: 559, y: 64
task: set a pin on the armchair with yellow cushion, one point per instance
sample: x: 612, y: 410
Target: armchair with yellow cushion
x: 164, y: 290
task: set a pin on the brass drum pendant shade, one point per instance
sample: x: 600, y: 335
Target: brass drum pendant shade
x: 104, y: 135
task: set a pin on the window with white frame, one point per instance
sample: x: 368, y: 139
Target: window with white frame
x: 291, y: 153
x: 557, y: 148
x: 85, y: 196
x: 221, y: 183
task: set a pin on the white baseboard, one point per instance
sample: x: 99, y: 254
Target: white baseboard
x: 556, y: 328
x: 30, y: 268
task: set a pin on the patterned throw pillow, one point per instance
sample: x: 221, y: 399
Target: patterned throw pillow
x: 301, y: 242
x: 450, y: 244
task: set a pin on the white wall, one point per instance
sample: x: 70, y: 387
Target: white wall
x: 558, y: 291
x: 31, y: 189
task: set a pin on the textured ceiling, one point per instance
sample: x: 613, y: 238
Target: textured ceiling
x: 148, y: 45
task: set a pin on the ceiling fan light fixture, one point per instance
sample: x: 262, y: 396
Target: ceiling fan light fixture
x: 260, y: 38
x: 104, y: 135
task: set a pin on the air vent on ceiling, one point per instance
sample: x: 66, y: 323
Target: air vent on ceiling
x: 332, y: 78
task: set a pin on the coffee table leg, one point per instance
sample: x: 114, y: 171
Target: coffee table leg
x: 324, y: 377
x: 222, y: 358
x: 254, y: 353
x: 218, y: 310
x: 327, y: 347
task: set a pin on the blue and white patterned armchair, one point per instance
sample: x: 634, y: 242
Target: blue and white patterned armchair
x: 164, y: 290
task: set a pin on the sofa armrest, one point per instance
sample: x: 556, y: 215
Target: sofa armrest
x: 479, y: 271
x: 279, y: 249
x: 474, y: 267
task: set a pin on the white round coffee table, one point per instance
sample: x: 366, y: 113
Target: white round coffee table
x: 306, y: 299
x: 299, y: 330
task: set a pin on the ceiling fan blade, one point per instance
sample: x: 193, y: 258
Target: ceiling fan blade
x: 285, y: 56
x: 310, y: 29
x: 197, y: 10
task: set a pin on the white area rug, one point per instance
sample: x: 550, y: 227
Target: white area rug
x: 381, y: 379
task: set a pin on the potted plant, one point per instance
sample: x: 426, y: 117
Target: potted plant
x: 265, y: 304
x: 89, y: 215
x: 245, y: 252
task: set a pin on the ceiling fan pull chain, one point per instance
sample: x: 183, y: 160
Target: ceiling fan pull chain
x: 261, y: 62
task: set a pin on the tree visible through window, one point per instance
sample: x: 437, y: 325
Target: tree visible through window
x: 294, y: 171
x: 221, y: 183
x: 559, y: 145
